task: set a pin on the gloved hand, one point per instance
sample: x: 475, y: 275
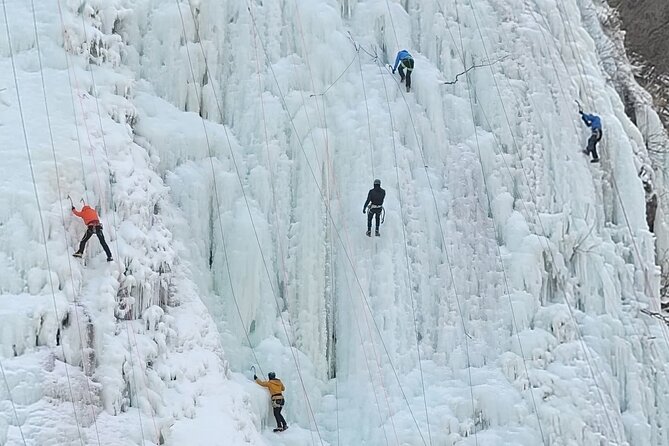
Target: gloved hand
x: 393, y: 71
x: 364, y: 211
x: 73, y: 208
x: 580, y: 112
x: 254, y: 377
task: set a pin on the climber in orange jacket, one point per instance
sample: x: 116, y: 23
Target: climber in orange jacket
x: 92, y: 222
x: 275, y: 387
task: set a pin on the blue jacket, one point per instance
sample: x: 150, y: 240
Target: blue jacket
x: 592, y: 121
x: 404, y: 54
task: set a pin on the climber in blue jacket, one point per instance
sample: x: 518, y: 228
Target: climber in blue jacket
x: 595, y: 123
x: 404, y: 61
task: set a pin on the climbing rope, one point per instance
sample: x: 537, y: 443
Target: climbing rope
x: 239, y: 177
x: 580, y: 67
x: 39, y: 211
x: 359, y: 48
x: 11, y: 400
x: 406, y: 253
x: 74, y: 110
x: 446, y: 253
x: 270, y: 163
x: 349, y: 293
x: 337, y: 79
x: 494, y: 225
x: 649, y: 288
x: 392, y: 24
x: 270, y: 169
x: 97, y: 175
x: 62, y: 215
x: 113, y: 209
x: 515, y: 145
x: 255, y: 232
x: 333, y: 312
x: 369, y: 125
x: 589, y: 362
x: 338, y: 233
x: 329, y: 169
x: 582, y: 75
x: 332, y: 179
x: 215, y: 188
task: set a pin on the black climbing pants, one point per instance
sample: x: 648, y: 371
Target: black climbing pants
x: 97, y: 229
x: 371, y: 213
x: 277, y: 405
x: 404, y: 76
x: 592, y: 143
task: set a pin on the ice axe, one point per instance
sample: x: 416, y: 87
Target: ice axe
x: 70, y: 198
x: 580, y: 109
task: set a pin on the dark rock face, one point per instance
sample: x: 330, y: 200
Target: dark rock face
x: 646, y: 23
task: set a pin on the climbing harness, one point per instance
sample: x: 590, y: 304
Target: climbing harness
x: 407, y: 63
x: 375, y: 207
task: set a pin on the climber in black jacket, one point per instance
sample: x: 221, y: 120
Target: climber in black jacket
x: 374, y: 204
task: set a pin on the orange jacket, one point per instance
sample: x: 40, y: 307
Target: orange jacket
x: 88, y: 214
x: 275, y: 387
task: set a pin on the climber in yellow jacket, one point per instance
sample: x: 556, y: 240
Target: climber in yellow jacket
x: 275, y: 387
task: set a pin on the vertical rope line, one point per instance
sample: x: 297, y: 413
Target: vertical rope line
x: 406, y: 254
x: 62, y: 215
x: 366, y: 316
x: 39, y: 211
x: 304, y: 104
x: 11, y: 400
x: 497, y: 247
x: 332, y: 180
x: 369, y: 125
x: 333, y: 311
x: 237, y: 171
x: 134, y: 378
x: 104, y: 147
x: 364, y: 353
x: 392, y: 24
x: 445, y: 250
x: 331, y: 184
x: 270, y: 167
x: 311, y: 170
x: 347, y: 245
x: 550, y: 252
x: 590, y: 366
x: 577, y: 55
x: 663, y: 327
x: 118, y: 253
x: 72, y: 93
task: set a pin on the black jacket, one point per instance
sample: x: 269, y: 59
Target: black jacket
x: 375, y: 196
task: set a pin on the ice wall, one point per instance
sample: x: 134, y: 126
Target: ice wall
x: 512, y: 189
x: 240, y: 139
x: 93, y: 352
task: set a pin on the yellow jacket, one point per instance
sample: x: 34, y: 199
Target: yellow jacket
x: 275, y: 387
